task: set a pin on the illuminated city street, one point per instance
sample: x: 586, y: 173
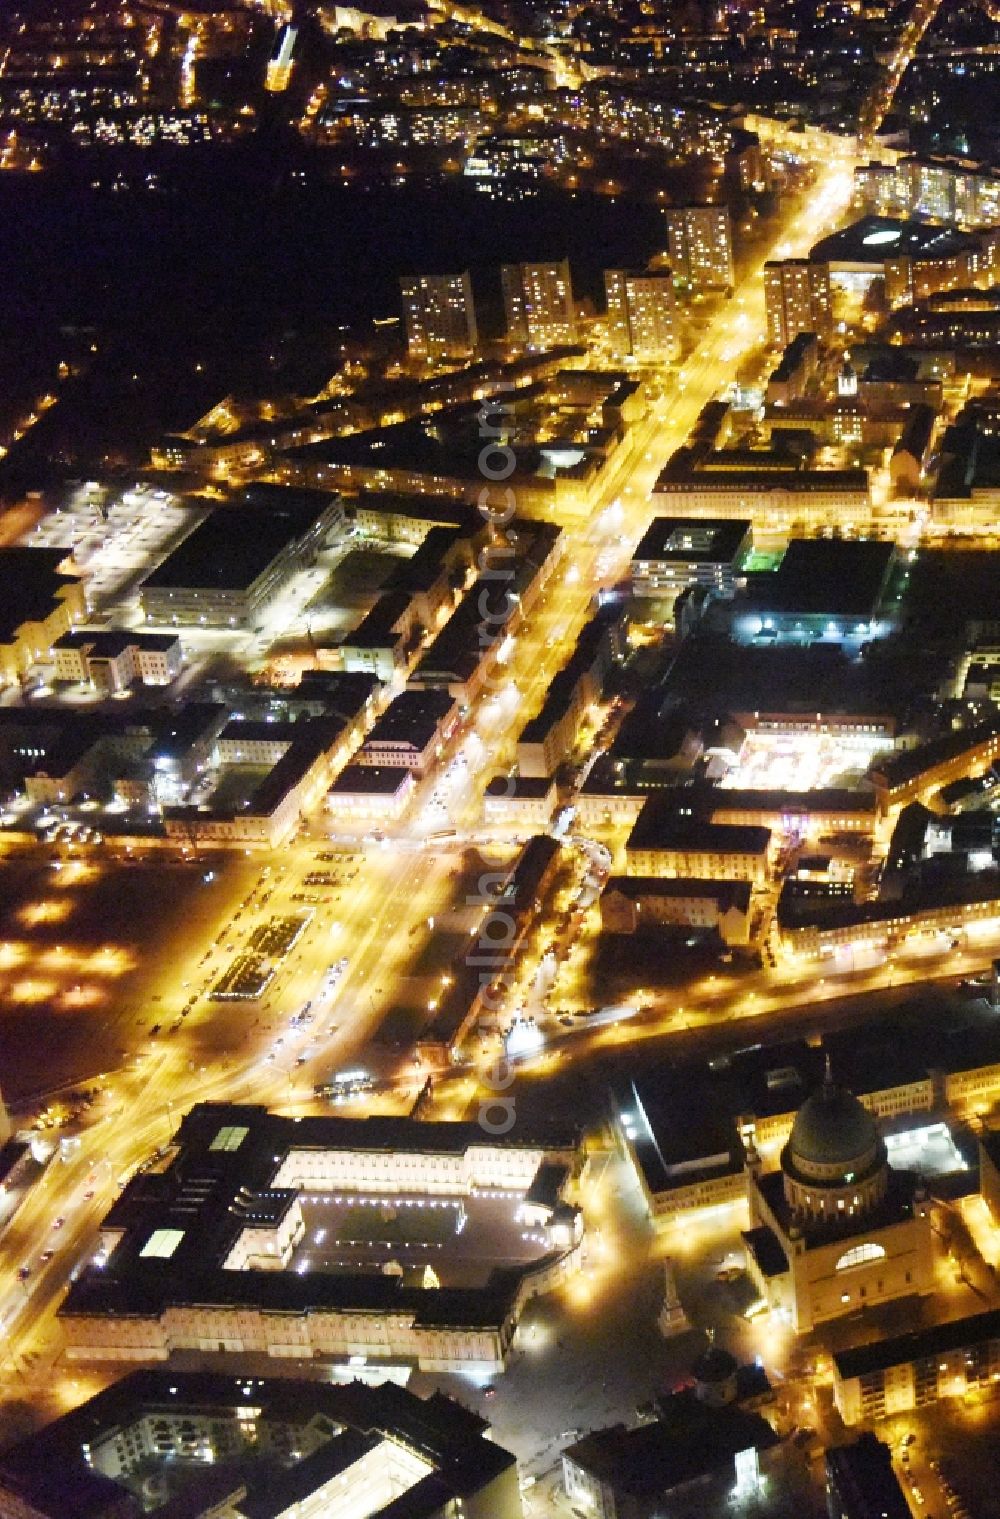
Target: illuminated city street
x: 499, y: 761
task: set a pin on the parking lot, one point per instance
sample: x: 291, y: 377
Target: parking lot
x: 114, y: 538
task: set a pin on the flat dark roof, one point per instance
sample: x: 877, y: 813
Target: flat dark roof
x: 520, y: 787
x: 372, y: 780
x: 865, y: 1479
x: 843, y: 577
x: 875, y: 239
x: 413, y: 717
x: 689, y: 1440
x: 713, y: 540
x: 859, y: 1360
x: 661, y: 828
x: 227, y: 552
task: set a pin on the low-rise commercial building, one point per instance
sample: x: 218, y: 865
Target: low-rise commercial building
x: 675, y: 552
x: 240, y: 557
x: 522, y: 800
x: 411, y: 731
x: 370, y: 793
x: 664, y: 842
x: 831, y: 589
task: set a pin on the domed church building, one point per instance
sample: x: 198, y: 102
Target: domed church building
x: 836, y: 1228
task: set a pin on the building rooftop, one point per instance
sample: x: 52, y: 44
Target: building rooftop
x: 874, y: 239
x: 693, y: 540
x: 934, y: 1340
x: 659, y: 826
x: 832, y: 1127
x: 178, y: 1224
x: 413, y: 717
x: 344, y: 1422
x: 227, y: 552
x: 520, y: 787
x: 865, y: 1480
x: 371, y: 780
x: 689, y: 1440
x: 836, y: 577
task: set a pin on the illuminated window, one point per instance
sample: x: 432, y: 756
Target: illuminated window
x: 859, y: 1255
x: 229, y: 1138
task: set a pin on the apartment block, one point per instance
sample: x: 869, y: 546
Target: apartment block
x: 642, y: 315
x: 538, y: 302
x: 440, y: 316
x: 700, y: 240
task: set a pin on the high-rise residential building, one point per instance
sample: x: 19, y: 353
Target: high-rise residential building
x: 797, y: 299
x: 642, y: 314
x: 440, y: 315
x: 701, y: 245
x: 538, y: 302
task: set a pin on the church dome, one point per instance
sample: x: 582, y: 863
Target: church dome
x: 714, y: 1365
x: 832, y: 1128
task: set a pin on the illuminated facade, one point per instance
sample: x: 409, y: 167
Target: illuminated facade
x: 440, y: 316
x: 797, y: 299
x: 894, y: 1376
x: 642, y: 315
x: 835, y: 1229
x: 700, y: 240
x: 40, y: 604
x: 200, y: 1256
x: 538, y: 303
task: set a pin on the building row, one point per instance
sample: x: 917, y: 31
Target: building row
x: 555, y: 443
x: 939, y: 186
x: 548, y: 738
